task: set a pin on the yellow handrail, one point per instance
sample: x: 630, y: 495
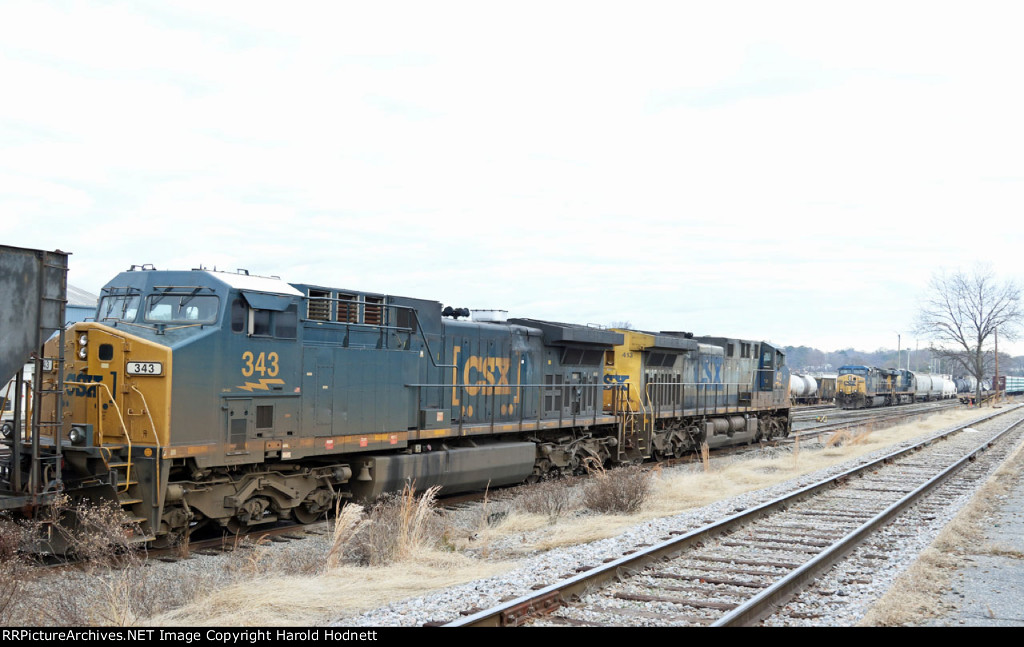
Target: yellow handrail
x: 145, y: 407
x: 127, y: 436
x: 156, y: 437
x: 643, y: 408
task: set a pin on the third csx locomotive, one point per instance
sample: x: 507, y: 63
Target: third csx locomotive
x: 201, y: 397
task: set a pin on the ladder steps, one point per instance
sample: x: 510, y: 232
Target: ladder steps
x: 142, y: 539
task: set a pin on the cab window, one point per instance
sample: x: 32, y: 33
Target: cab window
x: 120, y: 308
x: 183, y: 309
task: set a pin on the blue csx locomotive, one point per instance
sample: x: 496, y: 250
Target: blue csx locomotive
x: 202, y: 397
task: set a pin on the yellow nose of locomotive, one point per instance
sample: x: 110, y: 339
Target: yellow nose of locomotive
x: 116, y: 384
x: 850, y: 385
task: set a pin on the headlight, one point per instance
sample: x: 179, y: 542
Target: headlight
x: 83, y: 339
x: 6, y: 429
x: 77, y: 435
x: 82, y: 352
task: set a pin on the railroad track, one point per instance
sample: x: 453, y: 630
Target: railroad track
x: 226, y: 543
x: 840, y: 419
x: 742, y: 569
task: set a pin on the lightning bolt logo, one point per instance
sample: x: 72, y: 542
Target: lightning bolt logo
x: 262, y: 385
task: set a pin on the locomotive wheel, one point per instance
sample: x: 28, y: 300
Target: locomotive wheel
x: 678, y: 448
x: 249, y: 514
x: 540, y: 471
x: 314, y: 507
x: 234, y: 526
x: 574, y: 466
x: 305, y: 514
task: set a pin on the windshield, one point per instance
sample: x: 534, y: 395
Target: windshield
x: 119, y: 308
x: 182, y: 308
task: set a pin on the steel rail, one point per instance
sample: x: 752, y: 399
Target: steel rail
x: 528, y: 607
x: 765, y: 603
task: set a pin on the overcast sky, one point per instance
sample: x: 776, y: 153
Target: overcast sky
x: 786, y: 171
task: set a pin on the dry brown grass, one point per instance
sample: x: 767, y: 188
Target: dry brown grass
x: 395, y: 528
x: 551, y: 499
x: 279, y: 599
x: 14, y: 568
x: 346, y: 522
x: 397, y: 548
x: 619, y: 491
x: 858, y: 436
x: 107, y: 584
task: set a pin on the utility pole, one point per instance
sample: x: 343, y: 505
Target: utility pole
x: 995, y: 379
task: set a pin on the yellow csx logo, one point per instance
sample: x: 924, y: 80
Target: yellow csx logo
x: 481, y: 371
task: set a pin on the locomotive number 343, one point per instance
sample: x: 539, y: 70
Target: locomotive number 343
x: 265, y: 364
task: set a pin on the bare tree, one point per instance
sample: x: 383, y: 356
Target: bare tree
x: 961, y: 314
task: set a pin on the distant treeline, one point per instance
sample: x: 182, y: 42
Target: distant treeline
x: 804, y: 359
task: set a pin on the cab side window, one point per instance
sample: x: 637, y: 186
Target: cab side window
x: 264, y: 323
x: 238, y: 316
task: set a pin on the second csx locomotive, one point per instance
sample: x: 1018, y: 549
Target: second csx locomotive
x: 202, y: 397
x: 858, y: 387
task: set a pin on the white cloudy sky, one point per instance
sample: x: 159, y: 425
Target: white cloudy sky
x: 789, y: 171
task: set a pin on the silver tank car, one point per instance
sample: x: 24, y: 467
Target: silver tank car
x: 803, y: 388
x: 928, y: 387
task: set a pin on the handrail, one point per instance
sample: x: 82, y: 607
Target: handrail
x: 643, y: 409
x: 152, y: 423
x: 159, y: 448
x: 124, y: 427
x: 412, y: 312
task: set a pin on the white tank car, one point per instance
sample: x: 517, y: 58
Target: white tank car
x: 802, y: 387
x: 948, y: 387
x: 927, y: 386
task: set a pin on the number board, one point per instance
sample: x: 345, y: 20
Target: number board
x: 144, y: 368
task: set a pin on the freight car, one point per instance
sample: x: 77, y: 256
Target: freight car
x: 826, y: 387
x: 803, y: 389
x: 858, y: 387
x: 225, y: 399
x: 812, y: 388
x: 1011, y: 384
x: 929, y: 387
